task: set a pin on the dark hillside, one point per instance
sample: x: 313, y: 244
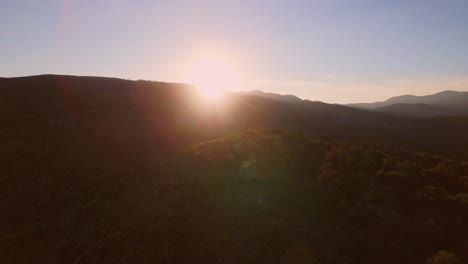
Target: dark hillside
x: 99, y: 170
x: 253, y: 197
x: 114, y: 115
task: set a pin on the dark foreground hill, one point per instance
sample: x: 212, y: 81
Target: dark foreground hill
x: 99, y: 170
x: 254, y: 197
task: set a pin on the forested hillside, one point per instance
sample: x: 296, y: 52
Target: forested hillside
x: 253, y: 197
x: 99, y: 170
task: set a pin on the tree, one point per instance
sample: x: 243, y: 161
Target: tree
x: 443, y: 257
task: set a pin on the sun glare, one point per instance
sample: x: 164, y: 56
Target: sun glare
x: 214, y: 75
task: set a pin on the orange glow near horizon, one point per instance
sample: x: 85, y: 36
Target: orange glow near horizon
x: 214, y: 75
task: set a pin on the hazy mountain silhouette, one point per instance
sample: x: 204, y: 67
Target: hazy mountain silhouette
x: 279, y: 97
x: 440, y: 104
x: 417, y: 110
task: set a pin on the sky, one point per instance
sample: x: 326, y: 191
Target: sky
x: 336, y: 51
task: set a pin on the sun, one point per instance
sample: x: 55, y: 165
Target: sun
x: 214, y: 75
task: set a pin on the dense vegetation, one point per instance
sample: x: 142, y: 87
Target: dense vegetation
x: 267, y: 196
x: 254, y: 197
x: 129, y: 178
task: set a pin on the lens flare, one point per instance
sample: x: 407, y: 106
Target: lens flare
x: 214, y: 75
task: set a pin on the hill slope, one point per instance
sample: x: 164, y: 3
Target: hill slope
x: 253, y: 197
x: 103, y: 115
x: 108, y: 170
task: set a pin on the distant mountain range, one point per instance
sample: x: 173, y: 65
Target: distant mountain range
x: 445, y: 103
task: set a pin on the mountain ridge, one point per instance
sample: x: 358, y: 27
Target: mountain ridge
x: 123, y: 105
x: 275, y: 96
x: 447, y: 102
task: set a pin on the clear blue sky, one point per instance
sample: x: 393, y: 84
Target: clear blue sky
x: 329, y: 50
